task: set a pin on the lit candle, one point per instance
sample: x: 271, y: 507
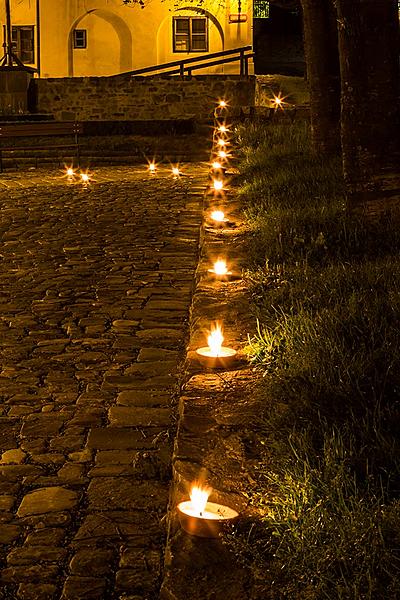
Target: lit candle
x: 222, y: 104
x: 70, y: 172
x: 152, y: 168
x: 278, y: 101
x: 201, y: 518
x: 176, y: 172
x: 220, y: 267
x: 85, y: 179
x: 216, y: 165
x: 218, y: 185
x: 222, y: 129
x: 221, y: 272
x: 218, y: 215
x: 221, y: 142
x: 222, y: 154
x: 215, y: 355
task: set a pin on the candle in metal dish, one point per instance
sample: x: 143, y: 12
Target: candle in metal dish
x: 201, y: 518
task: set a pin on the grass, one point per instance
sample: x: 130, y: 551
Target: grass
x: 325, y: 296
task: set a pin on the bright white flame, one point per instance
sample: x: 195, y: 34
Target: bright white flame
x: 85, y: 177
x: 198, y: 498
x: 215, y: 340
x: 152, y: 167
x: 218, y: 184
x: 222, y: 103
x: 222, y: 154
x: 278, y: 101
x: 175, y: 171
x: 217, y: 215
x: 216, y: 165
x: 221, y: 142
x: 223, y: 129
x: 70, y: 172
x: 220, y: 267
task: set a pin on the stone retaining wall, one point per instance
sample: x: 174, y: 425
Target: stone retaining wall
x: 126, y: 98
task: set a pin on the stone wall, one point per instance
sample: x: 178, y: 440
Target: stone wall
x: 139, y: 98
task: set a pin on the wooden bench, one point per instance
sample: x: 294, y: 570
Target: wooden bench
x: 40, y: 129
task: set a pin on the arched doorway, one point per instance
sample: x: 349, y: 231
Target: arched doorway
x: 106, y: 47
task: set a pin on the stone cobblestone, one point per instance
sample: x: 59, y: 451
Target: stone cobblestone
x: 95, y: 288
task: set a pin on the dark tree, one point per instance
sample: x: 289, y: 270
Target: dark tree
x: 322, y: 59
x: 369, y: 62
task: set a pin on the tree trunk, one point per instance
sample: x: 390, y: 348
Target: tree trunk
x: 322, y: 60
x: 369, y: 63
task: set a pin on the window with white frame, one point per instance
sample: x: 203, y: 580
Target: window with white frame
x: 80, y: 38
x: 23, y: 45
x: 190, y: 34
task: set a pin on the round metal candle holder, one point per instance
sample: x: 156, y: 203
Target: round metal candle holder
x: 226, y: 358
x: 210, y: 524
x: 228, y: 276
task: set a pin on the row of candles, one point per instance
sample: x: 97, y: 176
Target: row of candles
x: 198, y: 516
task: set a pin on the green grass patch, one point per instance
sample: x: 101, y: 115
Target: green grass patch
x: 325, y: 296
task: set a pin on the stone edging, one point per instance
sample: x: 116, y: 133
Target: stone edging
x: 213, y: 415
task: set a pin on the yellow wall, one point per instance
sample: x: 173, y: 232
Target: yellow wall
x: 121, y: 38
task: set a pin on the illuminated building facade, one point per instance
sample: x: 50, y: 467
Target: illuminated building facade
x: 77, y: 38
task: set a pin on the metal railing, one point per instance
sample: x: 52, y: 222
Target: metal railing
x: 187, y: 65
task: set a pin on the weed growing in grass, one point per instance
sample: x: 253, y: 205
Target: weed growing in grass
x: 325, y: 290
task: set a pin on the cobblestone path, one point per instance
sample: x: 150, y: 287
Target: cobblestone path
x: 95, y: 288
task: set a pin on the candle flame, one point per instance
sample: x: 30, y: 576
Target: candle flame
x: 70, y: 172
x: 152, y: 167
x: 218, y: 184
x: 217, y: 215
x: 198, y: 498
x: 175, y: 171
x: 216, y: 165
x: 222, y: 154
x: 279, y: 101
x: 222, y: 103
x: 215, y: 340
x: 85, y: 177
x: 220, y: 267
x: 223, y: 129
x: 221, y: 142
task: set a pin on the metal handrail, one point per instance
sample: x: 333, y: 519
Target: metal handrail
x: 182, y: 64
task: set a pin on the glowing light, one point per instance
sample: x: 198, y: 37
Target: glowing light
x: 85, y: 178
x: 222, y: 154
x: 223, y: 129
x: 220, y: 267
x: 218, y: 215
x: 278, y: 101
x: 221, y: 142
x: 218, y: 184
x: 215, y: 340
x: 70, y: 172
x: 152, y: 167
x: 175, y: 171
x: 198, y: 498
x: 222, y: 104
x: 216, y: 165
x: 215, y: 355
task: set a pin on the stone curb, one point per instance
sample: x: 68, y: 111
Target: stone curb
x: 213, y: 409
